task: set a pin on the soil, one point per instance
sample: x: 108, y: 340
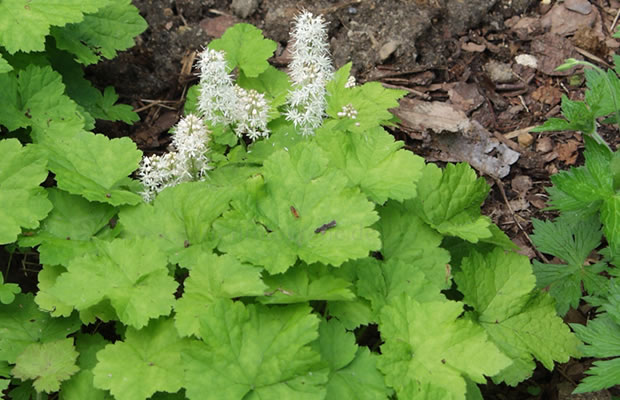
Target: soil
x: 460, y: 54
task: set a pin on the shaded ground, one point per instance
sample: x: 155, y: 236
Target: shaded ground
x: 456, y: 58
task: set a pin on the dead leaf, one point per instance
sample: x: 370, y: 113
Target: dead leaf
x: 550, y: 95
x: 521, y: 184
x: 564, y: 22
x: 544, y: 144
x: 551, y: 50
x: 215, y: 27
x: 465, y: 96
x: 567, y: 152
x: 473, y: 47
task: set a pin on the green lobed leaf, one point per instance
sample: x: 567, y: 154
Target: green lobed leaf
x: 570, y: 240
x: 213, y: 277
x: 245, y: 47
x: 406, y: 237
x: 22, y: 324
x: 146, y: 361
x: 81, y: 386
x: 353, y: 370
x: 180, y: 218
x: 23, y: 203
x: 24, y: 24
x: 47, y: 364
x: 521, y: 322
x: 382, y: 282
x: 578, y: 118
x: 429, y: 351
x: 125, y: 272
x: 449, y: 201
x: 255, y: 352
x: 68, y: 229
x: 95, y: 166
x: 102, y: 33
x: 289, y: 213
x: 372, y: 160
x: 303, y: 283
x: 603, y: 375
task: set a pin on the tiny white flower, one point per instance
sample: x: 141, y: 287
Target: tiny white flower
x: 348, y: 111
x: 351, y: 82
x: 252, y: 114
x: 310, y: 70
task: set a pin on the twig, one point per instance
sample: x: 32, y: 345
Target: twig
x: 500, y: 185
x: 613, y: 24
x: 412, y: 91
x: 517, y: 132
x: 592, y: 57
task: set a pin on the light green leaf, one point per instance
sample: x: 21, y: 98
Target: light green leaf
x: 449, y: 200
x: 406, y: 237
x: 245, y: 47
x: 180, y: 218
x: 23, y: 203
x: 371, y: 101
x: 68, y: 229
x: 8, y: 291
x: 35, y: 97
x: 522, y: 322
x: 47, y: 363
x: 4, y: 65
x: 354, y: 374
x: 213, y: 277
x: 382, y: 282
x: 301, y: 208
x: 103, y: 33
x: 352, y: 314
x: 95, y: 166
x: 21, y: 324
x: 24, y: 24
x: 147, y: 361
x: 255, y: 352
x: 372, y: 160
x: 427, y: 350
x: 125, y: 272
x: 303, y: 283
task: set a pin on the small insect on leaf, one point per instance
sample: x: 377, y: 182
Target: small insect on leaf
x: 108, y: 195
x: 186, y: 243
x: 325, y: 227
x: 294, y: 212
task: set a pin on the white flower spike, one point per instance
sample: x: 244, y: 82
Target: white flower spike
x: 310, y: 70
x: 187, y: 160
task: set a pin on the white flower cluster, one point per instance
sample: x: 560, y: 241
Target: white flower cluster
x: 348, y: 111
x: 222, y: 101
x: 310, y: 70
x: 186, y: 161
x: 351, y: 82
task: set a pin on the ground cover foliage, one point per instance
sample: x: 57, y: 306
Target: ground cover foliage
x: 328, y: 264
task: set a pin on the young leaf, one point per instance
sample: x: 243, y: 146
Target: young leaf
x: 353, y: 370
x: 101, y: 34
x: 245, y: 47
x: 94, y: 166
x: 213, y: 277
x: 23, y: 203
x: 47, y: 363
x: 264, y: 231
x: 21, y: 324
x: 428, y: 350
x: 4, y: 65
x: 8, y: 291
x: 520, y: 322
x: 570, y: 240
x: 372, y: 160
x: 24, y: 24
x: 303, y: 283
x: 146, y: 361
x: 449, y: 201
x: 125, y: 272
x: 371, y: 101
x: 265, y: 355
x: 578, y: 118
